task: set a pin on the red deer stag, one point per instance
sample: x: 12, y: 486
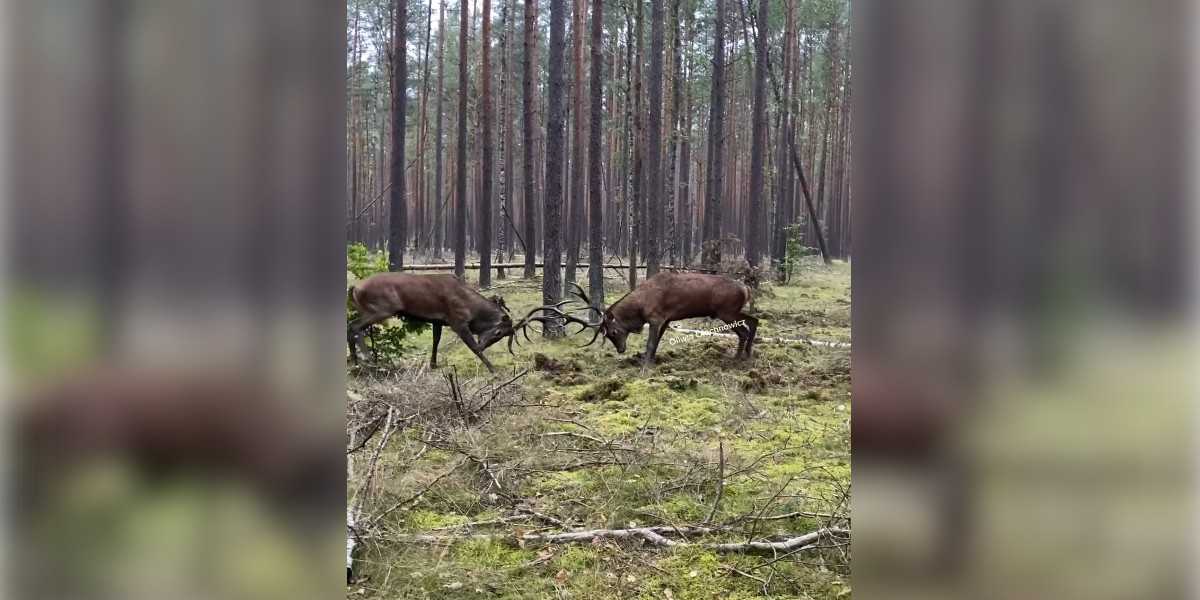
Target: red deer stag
x: 435, y: 299
x: 665, y: 298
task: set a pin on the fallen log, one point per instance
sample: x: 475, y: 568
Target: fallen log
x: 771, y: 340
x: 654, y: 536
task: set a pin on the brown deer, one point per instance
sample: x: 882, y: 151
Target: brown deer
x: 664, y: 298
x: 435, y: 299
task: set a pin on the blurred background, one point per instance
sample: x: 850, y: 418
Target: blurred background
x: 1023, y: 422
x: 174, y: 302
x: 174, y: 298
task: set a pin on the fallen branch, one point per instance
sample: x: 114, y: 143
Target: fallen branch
x: 417, y: 496
x: 770, y: 340
x: 654, y: 536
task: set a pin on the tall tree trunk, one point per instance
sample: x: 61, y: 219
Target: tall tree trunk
x: 716, y: 144
x: 503, y: 240
x: 397, y: 231
x: 422, y: 215
x: 578, y: 142
x: 439, y: 209
x: 625, y: 238
x: 758, y: 148
x: 685, y: 158
x: 486, y: 196
x: 672, y: 183
x: 595, y: 200
x: 654, y: 179
x: 637, y: 236
x: 460, y: 212
x: 783, y: 126
x: 553, y: 193
x: 527, y: 90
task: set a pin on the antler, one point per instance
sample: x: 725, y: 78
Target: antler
x: 556, y: 313
x: 582, y: 295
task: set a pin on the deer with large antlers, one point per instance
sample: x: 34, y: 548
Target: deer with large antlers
x: 659, y: 301
x: 441, y: 300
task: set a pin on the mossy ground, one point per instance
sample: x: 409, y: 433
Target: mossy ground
x: 596, y: 441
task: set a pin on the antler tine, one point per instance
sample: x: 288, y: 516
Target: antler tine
x: 593, y: 340
x: 582, y: 295
x: 571, y: 318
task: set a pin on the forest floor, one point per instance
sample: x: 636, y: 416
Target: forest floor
x: 464, y: 470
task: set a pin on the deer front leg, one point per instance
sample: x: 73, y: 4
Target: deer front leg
x: 354, y: 332
x: 656, y: 333
x: 464, y: 333
x: 437, y: 337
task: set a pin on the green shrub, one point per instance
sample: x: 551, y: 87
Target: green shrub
x: 363, y: 263
x: 795, y: 251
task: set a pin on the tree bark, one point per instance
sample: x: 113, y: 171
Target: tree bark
x: 440, y: 144
x: 654, y: 179
x: 422, y: 212
x: 637, y: 234
x: 527, y: 90
x: 553, y: 192
x: 716, y: 144
x: 486, y: 196
x: 503, y: 240
x: 397, y: 230
x: 460, y: 212
x: 758, y: 143
x: 596, y: 214
x: 578, y: 142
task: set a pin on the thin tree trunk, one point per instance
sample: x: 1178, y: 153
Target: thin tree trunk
x: 758, y: 148
x: 595, y: 199
x: 716, y: 142
x: 397, y: 234
x: 460, y: 213
x: 637, y: 238
x: 527, y: 134
x: 578, y: 142
x: 486, y: 196
x: 654, y: 179
x: 440, y: 145
x: 503, y: 240
x: 553, y: 193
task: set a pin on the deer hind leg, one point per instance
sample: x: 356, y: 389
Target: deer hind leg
x: 437, y: 337
x: 751, y: 331
x: 464, y: 332
x: 741, y: 331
